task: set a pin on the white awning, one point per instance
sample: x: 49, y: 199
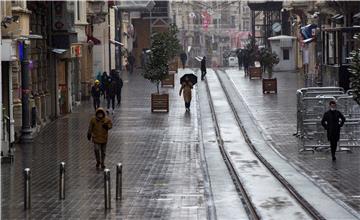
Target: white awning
x: 58, y: 51
x: 116, y: 42
x: 134, y: 5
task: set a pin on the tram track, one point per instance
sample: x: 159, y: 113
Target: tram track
x: 249, y: 206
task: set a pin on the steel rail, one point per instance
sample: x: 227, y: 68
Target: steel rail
x: 249, y: 207
x: 305, y: 204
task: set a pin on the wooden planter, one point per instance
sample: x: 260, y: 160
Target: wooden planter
x: 255, y: 72
x: 159, y: 102
x: 269, y: 85
x: 169, y: 80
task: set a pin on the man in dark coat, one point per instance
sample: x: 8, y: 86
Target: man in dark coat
x: 104, y: 83
x: 110, y: 94
x: 183, y: 58
x: 131, y: 60
x: 240, y: 58
x: 332, y: 121
x: 246, y: 61
x: 203, y: 68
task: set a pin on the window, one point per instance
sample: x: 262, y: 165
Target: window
x: 232, y: 21
x: 246, y: 25
x: 246, y: 9
x: 215, y: 23
x: 80, y: 12
x: 286, y: 54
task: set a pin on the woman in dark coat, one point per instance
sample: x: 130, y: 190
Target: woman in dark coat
x: 332, y: 121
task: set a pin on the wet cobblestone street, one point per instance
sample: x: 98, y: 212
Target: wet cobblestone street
x: 162, y: 176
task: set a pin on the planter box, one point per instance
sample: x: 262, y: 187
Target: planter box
x: 255, y: 72
x: 269, y: 85
x: 169, y: 80
x: 159, y: 102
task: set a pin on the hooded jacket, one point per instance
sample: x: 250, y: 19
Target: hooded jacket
x: 98, y: 127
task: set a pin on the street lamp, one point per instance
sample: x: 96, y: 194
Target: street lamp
x: 26, y: 133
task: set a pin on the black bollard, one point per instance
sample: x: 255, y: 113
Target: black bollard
x: 27, y: 186
x: 107, y: 189
x: 62, y: 181
x: 118, y: 181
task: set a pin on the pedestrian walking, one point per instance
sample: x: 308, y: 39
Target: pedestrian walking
x: 104, y: 83
x: 118, y: 86
x: 332, y: 121
x: 131, y: 60
x: 185, y: 89
x: 96, y: 93
x: 110, y: 94
x: 99, y: 127
x: 240, y: 58
x: 246, y: 61
x: 203, y: 68
x: 183, y: 58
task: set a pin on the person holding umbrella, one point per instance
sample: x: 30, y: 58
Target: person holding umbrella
x: 187, y: 82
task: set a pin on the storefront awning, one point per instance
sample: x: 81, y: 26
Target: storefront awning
x: 134, y: 5
x: 357, y: 16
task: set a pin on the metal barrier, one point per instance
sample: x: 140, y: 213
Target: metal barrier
x: 312, y: 103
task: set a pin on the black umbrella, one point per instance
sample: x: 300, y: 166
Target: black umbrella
x: 189, y: 77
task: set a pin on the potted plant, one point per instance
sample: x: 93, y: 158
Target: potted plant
x: 164, y: 47
x: 355, y: 71
x: 252, y: 55
x: 268, y: 60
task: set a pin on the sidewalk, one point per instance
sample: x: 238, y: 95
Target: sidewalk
x: 162, y: 173
x: 275, y: 115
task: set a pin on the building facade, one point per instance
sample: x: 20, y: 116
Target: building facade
x: 47, y: 65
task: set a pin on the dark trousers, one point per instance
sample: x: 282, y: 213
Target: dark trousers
x: 131, y: 68
x: 333, y: 146
x: 96, y: 102
x: 112, y: 100
x: 100, y: 149
x: 118, y: 97
x: 187, y: 104
x: 203, y: 73
x: 183, y: 64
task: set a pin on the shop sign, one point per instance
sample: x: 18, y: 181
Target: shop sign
x: 76, y: 50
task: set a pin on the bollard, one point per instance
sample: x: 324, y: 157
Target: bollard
x: 27, y: 193
x: 62, y: 181
x: 107, y: 189
x: 118, y: 181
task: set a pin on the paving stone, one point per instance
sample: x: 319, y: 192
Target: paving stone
x: 276, y: 116
x: 162, y: 175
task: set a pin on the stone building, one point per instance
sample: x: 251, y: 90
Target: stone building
x: 59, y: 66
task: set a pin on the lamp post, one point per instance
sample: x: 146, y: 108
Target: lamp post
x: 26, y: 136
x: 26, y: 133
